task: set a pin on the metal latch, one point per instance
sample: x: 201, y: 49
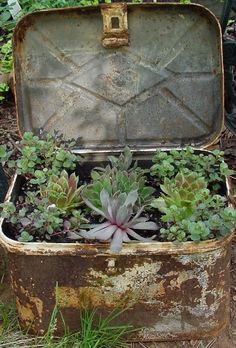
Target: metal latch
x: 115, y: 25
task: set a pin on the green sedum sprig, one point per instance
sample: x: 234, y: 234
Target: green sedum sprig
x: 39, y: 157
x: 211, y: 166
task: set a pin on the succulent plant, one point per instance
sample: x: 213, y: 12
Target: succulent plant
x: 33, y: 218
x: 114, y: 180
x: 183, y: 193
x: 211, y: 219
x: 118, y: 210
x: 191, y: 212
x: 124, y: 161
x: 63, y: 192
x: 4, y: 154
x: 211, y: 166
x: 39, y: 157
x: 123, y: 175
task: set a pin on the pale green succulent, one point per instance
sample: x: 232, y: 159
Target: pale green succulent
x: 183, y: 192
x: 63, y: 191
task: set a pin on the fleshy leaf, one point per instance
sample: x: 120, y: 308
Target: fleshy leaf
x: 116, y: 242
x: 102, y: 234
x: 137, y: 236
x: 149, y: 225
x: 131, y: 198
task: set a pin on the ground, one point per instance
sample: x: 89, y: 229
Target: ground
x: 9, y: 131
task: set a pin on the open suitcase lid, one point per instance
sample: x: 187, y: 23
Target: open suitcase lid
x: 147, y: 76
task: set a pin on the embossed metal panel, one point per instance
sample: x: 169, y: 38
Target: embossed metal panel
x: 163, y: 89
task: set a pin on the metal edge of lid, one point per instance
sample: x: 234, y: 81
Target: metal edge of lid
x: 27, y: 21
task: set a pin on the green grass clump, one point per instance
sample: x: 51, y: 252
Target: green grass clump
x: 96, y: 332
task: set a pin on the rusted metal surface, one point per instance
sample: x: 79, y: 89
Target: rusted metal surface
x: 164, y: 89
x: 173, y: 291
x: 175, y: 296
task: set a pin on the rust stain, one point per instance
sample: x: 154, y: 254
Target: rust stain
x: 161, y: 291
x: 166, y: 292
x: 22, y: 27
x: 34, y: 300
x: 92, y: 297
x: 30, y: 308
x: 25, y: 312
x: 30, y: 312
x: 83, y: 297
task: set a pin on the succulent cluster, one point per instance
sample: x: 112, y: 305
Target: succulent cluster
x: 121, y: 175
x: 38, y: 157
x: 52, y: 211
x: 33, y: 222
x: 117, y: 200
x: 114, y: 181
x: 191, y: 212
x: 209, y: 165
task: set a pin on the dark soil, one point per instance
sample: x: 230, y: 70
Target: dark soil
x: 8, y: 125
x: 228, y: 145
